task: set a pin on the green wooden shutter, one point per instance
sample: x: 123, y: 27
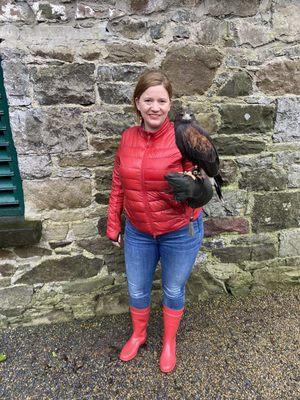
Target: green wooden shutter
x: 11, y: 192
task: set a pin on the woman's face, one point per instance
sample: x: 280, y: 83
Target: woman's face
x: 154, y: 105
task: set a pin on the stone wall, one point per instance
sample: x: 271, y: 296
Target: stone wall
x: 69, y: 69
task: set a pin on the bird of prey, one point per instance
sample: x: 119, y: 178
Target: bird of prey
x: 196, y: 146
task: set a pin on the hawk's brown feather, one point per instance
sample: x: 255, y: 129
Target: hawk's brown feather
x: 198, y: 142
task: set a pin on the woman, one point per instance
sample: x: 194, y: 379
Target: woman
x: 157, y: 226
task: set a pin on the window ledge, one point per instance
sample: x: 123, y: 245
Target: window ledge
x: 18, y: 232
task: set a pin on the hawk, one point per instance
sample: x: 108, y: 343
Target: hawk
x: 196, y: 146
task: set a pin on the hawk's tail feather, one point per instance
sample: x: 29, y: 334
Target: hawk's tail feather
x: 217, y: 186
x: 219, y: 193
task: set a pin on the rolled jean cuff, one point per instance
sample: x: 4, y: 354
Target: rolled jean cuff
x: 174, y: 304
x: 142, y: 302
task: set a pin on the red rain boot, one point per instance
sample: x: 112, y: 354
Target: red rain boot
x: 140, y: 318
x: 171, y: 320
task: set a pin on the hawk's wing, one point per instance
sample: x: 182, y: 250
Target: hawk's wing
x: 196, y: 145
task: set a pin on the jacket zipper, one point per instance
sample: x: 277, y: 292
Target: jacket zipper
x: 143, y: 187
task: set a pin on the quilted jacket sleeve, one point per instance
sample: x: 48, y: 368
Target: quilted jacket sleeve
x: 116, y: 199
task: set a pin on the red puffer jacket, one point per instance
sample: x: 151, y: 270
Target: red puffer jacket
x: 138, y: 184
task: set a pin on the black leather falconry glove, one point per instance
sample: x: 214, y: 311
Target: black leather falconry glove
x: 197, y: 192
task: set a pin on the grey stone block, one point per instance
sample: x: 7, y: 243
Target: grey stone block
x: 20, y: 233
x: 69, y: 83
x: 16, y: 297
x: 274, y: 211
x: 202, y: 63
x: 287, y: 125
x: 62, y: 269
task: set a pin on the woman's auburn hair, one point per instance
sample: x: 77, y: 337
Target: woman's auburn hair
x: 150, y: 78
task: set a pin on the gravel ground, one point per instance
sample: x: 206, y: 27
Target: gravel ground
x: 227, y: 349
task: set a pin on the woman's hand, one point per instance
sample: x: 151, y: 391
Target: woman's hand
x: 118, y: 242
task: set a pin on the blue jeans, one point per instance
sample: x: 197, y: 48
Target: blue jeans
x: 177, y: 253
